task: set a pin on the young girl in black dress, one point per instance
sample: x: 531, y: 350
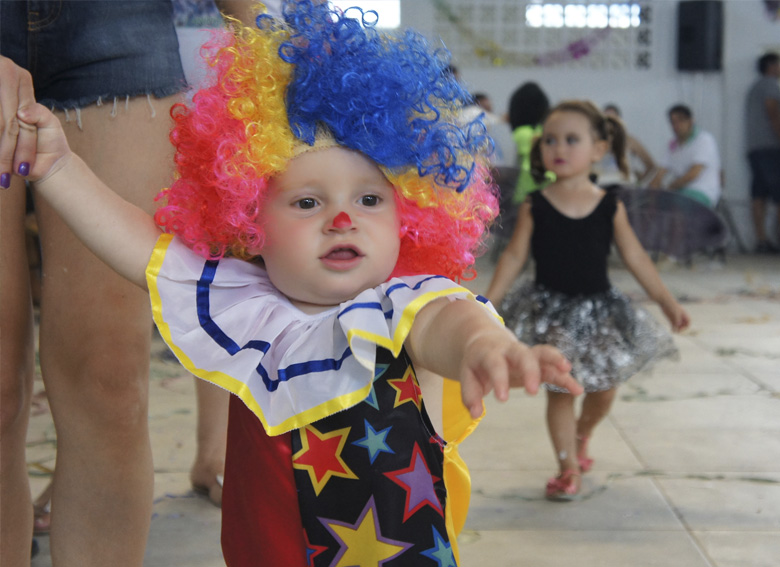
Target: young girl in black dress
x: 569, y: 227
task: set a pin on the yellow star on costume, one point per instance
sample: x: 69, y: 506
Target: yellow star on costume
x: 320, y: 456
x: 406, y: 389
x: 362, y: 544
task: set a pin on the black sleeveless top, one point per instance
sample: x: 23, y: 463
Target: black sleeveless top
x: 571, y: 254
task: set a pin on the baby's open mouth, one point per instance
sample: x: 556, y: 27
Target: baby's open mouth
x: 341, y: 254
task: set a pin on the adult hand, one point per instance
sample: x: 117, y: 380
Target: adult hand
x: 17, y: 141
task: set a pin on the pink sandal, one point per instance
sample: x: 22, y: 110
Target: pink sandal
x: 585, y: 462
x: 564, y: 487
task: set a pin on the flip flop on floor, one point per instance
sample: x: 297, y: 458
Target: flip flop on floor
x: 42, y: 518
x: 213, y: 492
x: 42, y: 512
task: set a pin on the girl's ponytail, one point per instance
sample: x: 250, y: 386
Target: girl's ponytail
x: 618, y: 142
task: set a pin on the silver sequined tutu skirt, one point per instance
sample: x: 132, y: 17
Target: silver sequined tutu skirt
x: 604, y: 335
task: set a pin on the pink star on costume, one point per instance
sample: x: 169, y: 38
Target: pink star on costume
x: 418, y: 482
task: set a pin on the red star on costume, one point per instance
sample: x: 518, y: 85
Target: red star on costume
x: 320, y: 456
x: 407, y: 389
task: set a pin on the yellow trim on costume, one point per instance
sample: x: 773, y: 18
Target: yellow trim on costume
x: 457, y: 425
x: 226, y: 381
x: 395, y: 344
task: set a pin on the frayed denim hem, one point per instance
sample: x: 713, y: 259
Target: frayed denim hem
x: 75, y: 106
x: 81, y: 102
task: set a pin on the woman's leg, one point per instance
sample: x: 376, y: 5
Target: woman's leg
x: 94, y: 349
x: 208, y: 470
x: 16, y: 380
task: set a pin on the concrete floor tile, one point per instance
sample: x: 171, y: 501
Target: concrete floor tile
x: 760, y: 411
x: 665, y: 386
x: 744, y: 502
x: 503, y: 449
x: 184, y: 522
x: 707, y: 450
x: 504, y: 500
x: 555, y: 548
x: 741, y: 549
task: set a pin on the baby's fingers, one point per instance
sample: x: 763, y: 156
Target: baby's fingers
x: 556, y: 369
x: 525, y: 369
x: 471, y: 392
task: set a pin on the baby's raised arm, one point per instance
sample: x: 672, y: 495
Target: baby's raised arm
x: 119, y: 233
x: 463, y: 341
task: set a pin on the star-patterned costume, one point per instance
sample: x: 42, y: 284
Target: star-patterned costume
x: 332, y: 459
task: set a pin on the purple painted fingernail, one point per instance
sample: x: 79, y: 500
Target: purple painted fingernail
x: 5, y: 180
x: 24, y: 168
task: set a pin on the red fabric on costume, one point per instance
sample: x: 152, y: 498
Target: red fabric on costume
x: 261, y: 523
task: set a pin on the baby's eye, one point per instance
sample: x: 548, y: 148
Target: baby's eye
x: 370, y: 200
x: 306, y: 203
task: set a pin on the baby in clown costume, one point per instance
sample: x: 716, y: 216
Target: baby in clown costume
x: 326, y: 202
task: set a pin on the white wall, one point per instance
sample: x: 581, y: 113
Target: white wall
x: 717, y: 99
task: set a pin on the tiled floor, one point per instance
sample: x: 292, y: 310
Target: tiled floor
x: 687, y: 469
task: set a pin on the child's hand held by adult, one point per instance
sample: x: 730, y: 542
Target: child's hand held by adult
x: 31, y: 137
x: 52, y: 147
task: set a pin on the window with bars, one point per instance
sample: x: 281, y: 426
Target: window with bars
x: 512, y: 33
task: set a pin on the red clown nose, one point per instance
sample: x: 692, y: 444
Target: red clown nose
x: 342, y: 220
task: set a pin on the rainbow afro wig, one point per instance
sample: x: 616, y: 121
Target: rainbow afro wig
x: 279, y: 86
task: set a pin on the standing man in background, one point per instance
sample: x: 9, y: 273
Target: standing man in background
x: 762, y: 119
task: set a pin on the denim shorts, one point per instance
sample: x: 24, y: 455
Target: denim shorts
x: 765, y: 166
x: 84, y: 51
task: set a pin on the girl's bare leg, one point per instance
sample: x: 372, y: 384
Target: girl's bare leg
x: 16, y: 380
x: 212, y: 439
x: 595, y: 407
x: 562, y: 427
x: 94, y: 349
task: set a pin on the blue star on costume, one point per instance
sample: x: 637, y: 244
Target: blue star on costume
x: 374, y: 441
x: 441, y: 553
x: 371, y: 398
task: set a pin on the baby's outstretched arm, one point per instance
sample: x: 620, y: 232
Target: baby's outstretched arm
x: 463, y: 341
x: 119, y: 233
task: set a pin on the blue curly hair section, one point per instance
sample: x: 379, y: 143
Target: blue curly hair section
x: 390, y: 97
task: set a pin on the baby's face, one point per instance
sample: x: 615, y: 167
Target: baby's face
x: 332, y: 228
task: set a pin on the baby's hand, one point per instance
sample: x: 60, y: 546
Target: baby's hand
x: 32, y: 143
x: 497, y: 360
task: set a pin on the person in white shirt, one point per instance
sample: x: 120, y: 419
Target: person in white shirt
x: 692, y: 164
